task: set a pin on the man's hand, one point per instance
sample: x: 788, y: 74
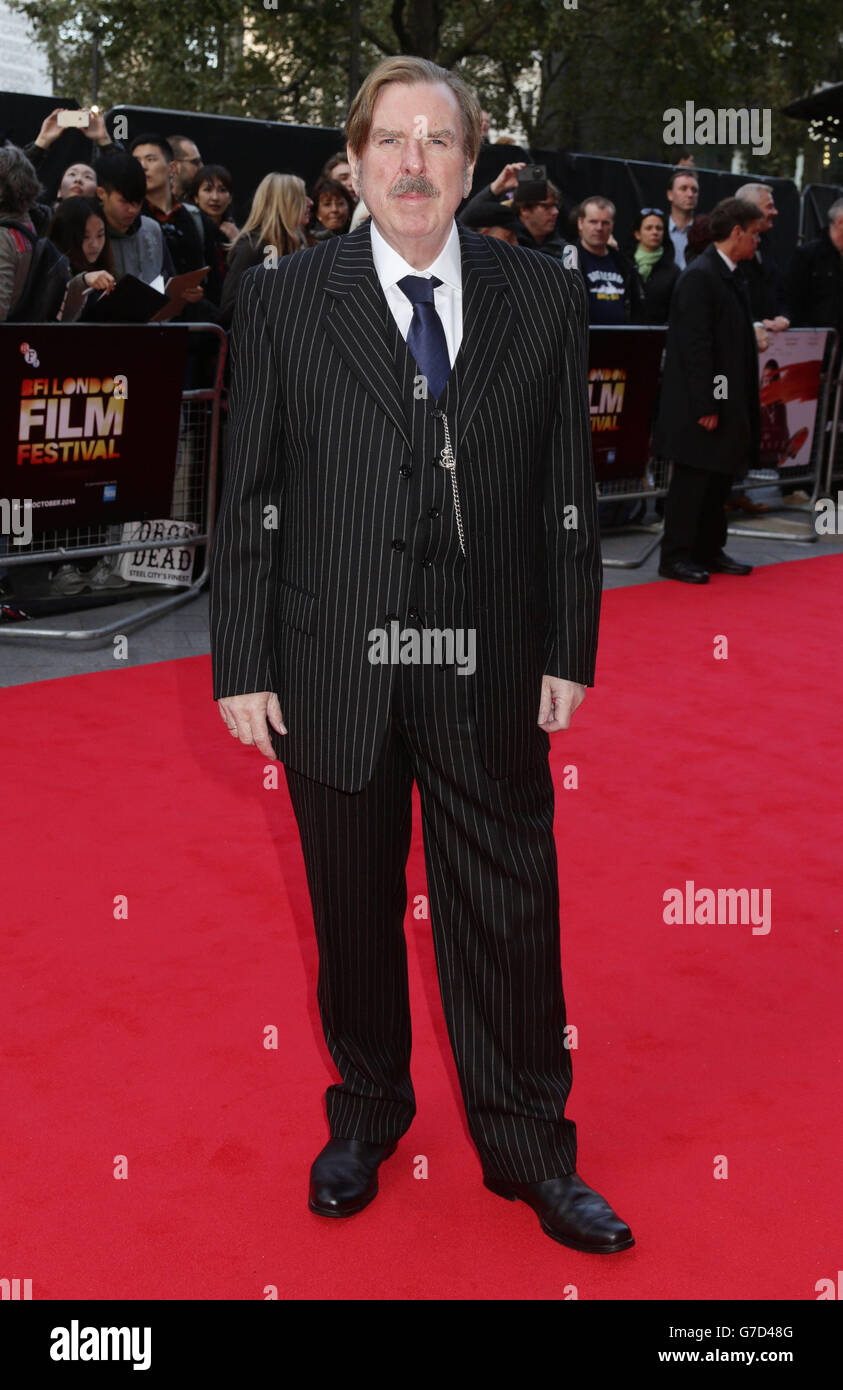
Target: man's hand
x: 506, y: 179
x: 708, y: 422
x: 777, y: 325
x: 245, y: 718
x: 761, y: 337
x: 559, y: 699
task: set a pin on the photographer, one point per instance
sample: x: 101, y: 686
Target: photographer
x: 535, y: 205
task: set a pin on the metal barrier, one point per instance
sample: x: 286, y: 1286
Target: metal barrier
x: 653, y: 483
x: 193, y: 500
x: 653, y: 480
x: 834, y: 472
x: 813, y: 474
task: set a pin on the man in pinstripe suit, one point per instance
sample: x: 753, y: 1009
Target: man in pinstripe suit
x: 360, y: 366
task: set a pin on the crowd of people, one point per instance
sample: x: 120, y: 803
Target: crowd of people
x: 631, y: 280
x: 158, y: 211
x: 155, y: 210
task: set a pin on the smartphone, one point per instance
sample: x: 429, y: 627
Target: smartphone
x: 76, y: 119
x: 532, y: 183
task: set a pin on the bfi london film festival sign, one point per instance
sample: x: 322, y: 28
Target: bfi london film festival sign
x: 89, y: 420
x: 623, y: 377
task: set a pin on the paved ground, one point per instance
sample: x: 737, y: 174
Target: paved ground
x: 184, y: 630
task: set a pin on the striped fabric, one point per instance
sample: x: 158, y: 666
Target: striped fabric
x: 324, y: 427
x: 22, y: 243
x: 327, y: 427
x: 492, y: 885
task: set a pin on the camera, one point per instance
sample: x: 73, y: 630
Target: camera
x: 74, y: 119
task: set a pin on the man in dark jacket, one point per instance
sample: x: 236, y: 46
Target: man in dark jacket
x: 183, y: 234
x: 535, y: 221
x: 339, y: 435
x: 709, y: 418
x: 815, y: 277
x: 615, y: 292
x: 137, y: 244
x: 763, y: 275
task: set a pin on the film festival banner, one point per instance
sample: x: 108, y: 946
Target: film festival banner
x: 789, y: 378
x: 89, y: 420
x: 623, y: 379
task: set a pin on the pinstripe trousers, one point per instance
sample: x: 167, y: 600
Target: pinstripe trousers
x: 492, y: 881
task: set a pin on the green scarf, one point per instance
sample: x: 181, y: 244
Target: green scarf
x: 645, y: 260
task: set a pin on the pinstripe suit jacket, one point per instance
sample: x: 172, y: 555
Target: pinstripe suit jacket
x: 320, y: 427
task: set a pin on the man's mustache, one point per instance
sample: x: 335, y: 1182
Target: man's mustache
x: 409, y: 184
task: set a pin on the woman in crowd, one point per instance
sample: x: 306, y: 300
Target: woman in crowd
x: 338, y: 167
x: 211, y: 192
x: 333, y: 207
x: 19, y: 188
x: 79, y: 230
x: 656, y: 265
x: 275, y: 227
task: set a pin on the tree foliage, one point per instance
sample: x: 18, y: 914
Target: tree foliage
x: 596, y: 77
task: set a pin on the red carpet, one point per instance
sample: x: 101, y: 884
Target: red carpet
x: 142, y: 1035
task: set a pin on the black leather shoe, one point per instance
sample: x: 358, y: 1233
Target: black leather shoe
x: 724, y: 564
x: 344, y: 1176
x: 571, y: 1212
x: 685, y: 571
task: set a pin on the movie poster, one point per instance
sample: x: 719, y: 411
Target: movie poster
x: 89, y: 420
x: 623, y: 375
x: 789, y: 377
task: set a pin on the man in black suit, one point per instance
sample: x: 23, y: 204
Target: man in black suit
x: 409, y: 401
x: 815, y: 277
x: 709, y: 417
x: 761, y: 271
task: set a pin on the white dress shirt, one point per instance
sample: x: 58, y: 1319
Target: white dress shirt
x: 733, y: 265
x: 679, y: 237
x: 447, y: 297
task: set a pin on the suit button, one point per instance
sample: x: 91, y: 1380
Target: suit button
x: 392, y: 618
x: 412, y: 613
x: 426, y: 564
x: 398, y: 544
x: 405, y: 471
x: 434, y: 511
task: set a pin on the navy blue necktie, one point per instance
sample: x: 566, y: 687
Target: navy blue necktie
x: 426, y: 338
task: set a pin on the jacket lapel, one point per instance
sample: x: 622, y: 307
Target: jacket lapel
x: 734, y: 279
x: 487, y: 322
x: 357, y: 319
